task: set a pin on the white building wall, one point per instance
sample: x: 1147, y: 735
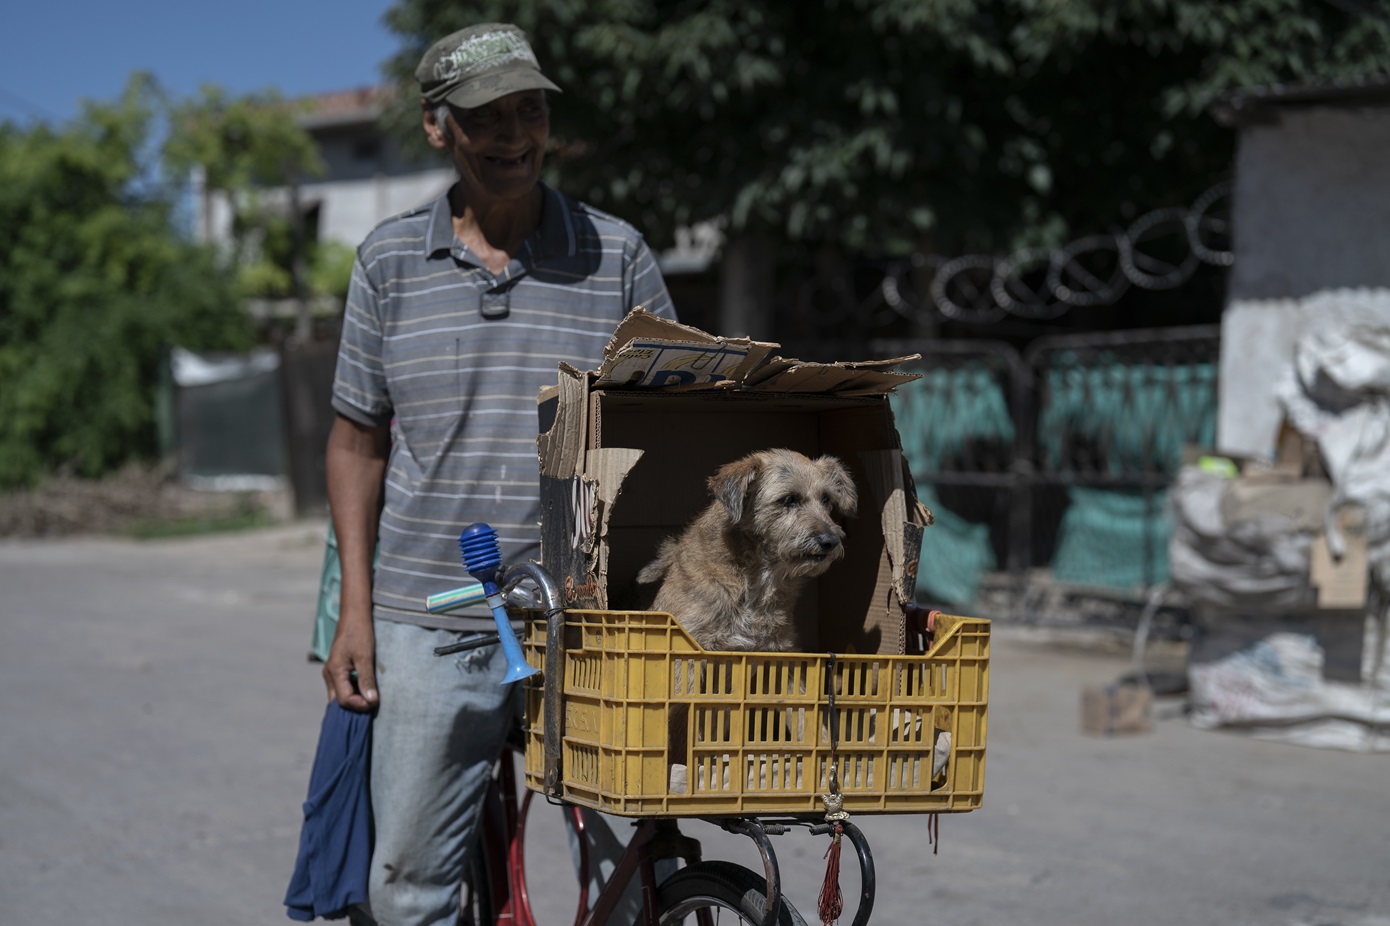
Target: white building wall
x: 1311, y: 218
x: 349, y: 209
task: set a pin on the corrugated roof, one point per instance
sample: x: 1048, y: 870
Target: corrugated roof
x: 345, y: 107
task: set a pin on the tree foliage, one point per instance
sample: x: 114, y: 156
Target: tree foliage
x: 245, y: 146
x: 95, y: 285
x: 886, y: 126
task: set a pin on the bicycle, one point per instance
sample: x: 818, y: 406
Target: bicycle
x: 496, y: 891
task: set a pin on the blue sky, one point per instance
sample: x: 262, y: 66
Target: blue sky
x: 53, y: 53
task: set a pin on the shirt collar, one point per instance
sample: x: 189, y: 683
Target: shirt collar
x: 554, y: 238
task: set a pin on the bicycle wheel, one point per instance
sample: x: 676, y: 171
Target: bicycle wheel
x: 714, y: 893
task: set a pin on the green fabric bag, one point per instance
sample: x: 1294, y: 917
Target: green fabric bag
x: 326, y: 614
x: 330, y: 588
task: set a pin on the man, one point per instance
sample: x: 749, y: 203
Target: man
x: 459, y: 312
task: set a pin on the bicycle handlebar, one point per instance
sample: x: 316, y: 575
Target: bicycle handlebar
x: 482, y: 557
x: 552, y: 674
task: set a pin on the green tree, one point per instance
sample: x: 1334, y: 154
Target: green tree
x: 95, y: 286
x: 885, y: 126
x: 245, y: 146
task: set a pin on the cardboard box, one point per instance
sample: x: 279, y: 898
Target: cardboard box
x: 1342, y: 579
x: 626, y: 451
x: 1303, y: 501
x: 1107, y: 710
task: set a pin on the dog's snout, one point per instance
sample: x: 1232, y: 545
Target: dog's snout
x: 827, y: 541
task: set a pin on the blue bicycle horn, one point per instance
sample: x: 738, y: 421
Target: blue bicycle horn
x: 482, y: 555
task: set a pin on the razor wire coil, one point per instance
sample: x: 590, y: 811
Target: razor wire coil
x: 1091, y: 271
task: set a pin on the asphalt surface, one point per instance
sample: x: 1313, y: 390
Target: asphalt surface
x: 158, y: 719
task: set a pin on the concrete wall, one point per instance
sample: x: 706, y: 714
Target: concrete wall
x: 1312, y: 203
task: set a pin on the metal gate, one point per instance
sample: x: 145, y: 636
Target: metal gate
x: 1048, y: 470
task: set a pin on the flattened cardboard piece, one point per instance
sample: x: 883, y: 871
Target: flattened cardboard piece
x: 564, y: 410
x: 912, y: 540
x: 639, y: 323
x: 884, y: 469
x: 1341, y: 583
x: 565, y: 509
x: 1303, y: 501
x: 882, y: 499
x: 647, y: 350
x: 609, y: 468
x: 776, y: 366
x: 860, y: 604
x: 574, y: 525
x: 832, y: 378
x: 659, y: 363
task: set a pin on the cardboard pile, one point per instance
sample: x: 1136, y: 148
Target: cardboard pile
x: 1266, y: 541
x: 626, y: 450
x: 1283, y: 645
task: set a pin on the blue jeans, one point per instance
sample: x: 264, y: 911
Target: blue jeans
x: 441, y: 724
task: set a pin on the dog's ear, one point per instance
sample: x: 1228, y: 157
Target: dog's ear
x: 731, y: 485
x: 843, y: 495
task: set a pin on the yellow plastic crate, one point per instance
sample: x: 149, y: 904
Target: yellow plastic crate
x: 752, y: 729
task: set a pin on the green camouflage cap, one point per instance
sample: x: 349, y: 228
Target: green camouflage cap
x: 475, y: 66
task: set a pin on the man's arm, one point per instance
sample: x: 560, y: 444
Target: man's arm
x: 356, y: 469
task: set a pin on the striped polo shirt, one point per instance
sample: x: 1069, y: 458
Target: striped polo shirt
x: 455, y: 356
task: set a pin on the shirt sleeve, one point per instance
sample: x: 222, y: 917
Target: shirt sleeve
x: 359, y: 384
x: 644, y: 285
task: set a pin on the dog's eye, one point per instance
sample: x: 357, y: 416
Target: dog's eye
x: 825, y: 500
x: 789, y: 501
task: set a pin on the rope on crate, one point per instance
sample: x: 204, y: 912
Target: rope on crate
x: 831, y: 901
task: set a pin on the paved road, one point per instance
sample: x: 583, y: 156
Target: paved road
x: 158, y: 717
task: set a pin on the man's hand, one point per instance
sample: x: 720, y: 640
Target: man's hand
x: 356, y: 464
x: 350, y: 670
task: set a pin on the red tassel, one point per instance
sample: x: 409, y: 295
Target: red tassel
x: 831, y: 901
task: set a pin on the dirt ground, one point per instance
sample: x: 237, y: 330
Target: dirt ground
x: 160, y: 722
x: 140, y: 496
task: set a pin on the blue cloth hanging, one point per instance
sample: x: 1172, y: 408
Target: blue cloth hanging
x: 335, y: 842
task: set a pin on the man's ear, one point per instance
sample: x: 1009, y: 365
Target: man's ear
x: 436, y: 134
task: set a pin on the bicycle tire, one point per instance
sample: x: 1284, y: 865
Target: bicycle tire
x: 717, y: 886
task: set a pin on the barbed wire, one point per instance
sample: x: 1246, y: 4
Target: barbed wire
x: 1159, y: 250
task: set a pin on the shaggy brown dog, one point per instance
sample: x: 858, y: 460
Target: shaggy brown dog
x: 733, y: 576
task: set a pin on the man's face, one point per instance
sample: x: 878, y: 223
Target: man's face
x: 498, y: 147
